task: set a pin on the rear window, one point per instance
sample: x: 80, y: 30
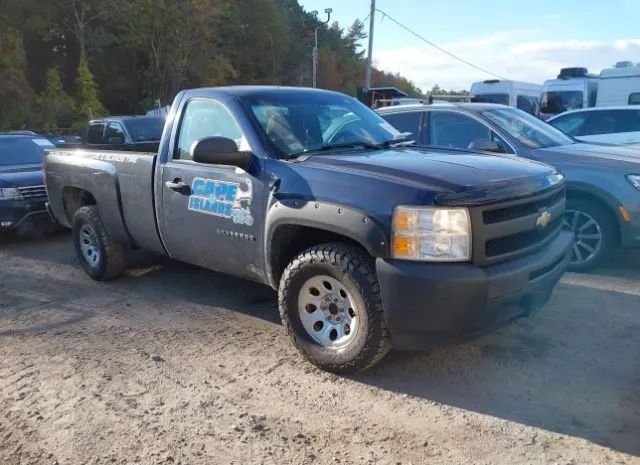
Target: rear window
x: 634, y: 98
x: 145, y: 130
x: 19, y: 151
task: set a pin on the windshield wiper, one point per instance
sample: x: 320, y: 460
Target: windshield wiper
x: 353, y: 144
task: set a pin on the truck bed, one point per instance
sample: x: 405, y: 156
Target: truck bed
x: 121, y: 184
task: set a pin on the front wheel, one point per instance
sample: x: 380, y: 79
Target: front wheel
x: 100, y: 255
x: 594, y: 234
x: 331, y: 307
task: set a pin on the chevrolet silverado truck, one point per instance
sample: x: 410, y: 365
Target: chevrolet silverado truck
x: 370, y: 243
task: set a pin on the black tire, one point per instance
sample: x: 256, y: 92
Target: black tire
x: 354, y: 269
x: 604, y: 223
x: 112, y: 255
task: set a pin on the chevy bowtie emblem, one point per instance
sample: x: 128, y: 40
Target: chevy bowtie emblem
x: 543, y: 219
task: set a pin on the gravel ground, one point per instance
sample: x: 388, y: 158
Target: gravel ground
x: 174, y: 364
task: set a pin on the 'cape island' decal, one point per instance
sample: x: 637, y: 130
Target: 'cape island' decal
x: 221, y: 198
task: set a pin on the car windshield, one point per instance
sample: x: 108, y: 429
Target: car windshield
x: 300, y: 122
x: 558, y: 102
x: 527, y: 129
x: 20, y: 151
x: 145, y: 129
x: 502, y: 99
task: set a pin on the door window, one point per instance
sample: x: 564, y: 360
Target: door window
x: 571, y: 124
x: 114, y: 134
x: 528, y: 104
x: 634, y: 98
x: 406, y: 122
x: 455, y: 130
x: 95, y: 134
x: 612, y: 121
x: 206, y: 118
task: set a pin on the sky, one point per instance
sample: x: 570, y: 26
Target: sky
x: 520, y: 40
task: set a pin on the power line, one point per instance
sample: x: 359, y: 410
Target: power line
x: 468, y: 63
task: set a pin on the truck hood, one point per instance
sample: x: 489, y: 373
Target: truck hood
x: 458, y: 177
x: 21, y: 175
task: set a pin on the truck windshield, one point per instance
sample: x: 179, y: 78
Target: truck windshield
x: 527, y: 129
x: 561, y: 101
x: 19, y: 151
x: 502, y: 99
x: 299, y: 122
x: 146, y: 129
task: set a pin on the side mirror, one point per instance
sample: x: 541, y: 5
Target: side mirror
x: 220, y: 151
x: 485, y: 145
x: 116, y: 140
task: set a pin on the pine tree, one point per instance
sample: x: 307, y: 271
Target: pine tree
x: 15, y: 92
x: 57, y: 108
x: 87, y: 99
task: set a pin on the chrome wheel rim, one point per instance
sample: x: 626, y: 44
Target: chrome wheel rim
x: 328, y: 312
x: 89, y: 245
x: 587, y: 236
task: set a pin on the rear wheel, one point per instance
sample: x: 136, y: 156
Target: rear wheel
x: 101, y: 257
x: 331, y: 307
x: 594, y: 234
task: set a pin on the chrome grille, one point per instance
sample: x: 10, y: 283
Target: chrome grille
x: 33, y: 192
x: 511, y: 229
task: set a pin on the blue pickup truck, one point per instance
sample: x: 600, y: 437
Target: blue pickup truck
x: 370, y: 243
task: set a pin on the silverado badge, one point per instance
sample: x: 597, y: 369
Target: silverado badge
x: 543, y: 219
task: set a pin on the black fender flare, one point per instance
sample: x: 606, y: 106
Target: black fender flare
x: 345, y: 221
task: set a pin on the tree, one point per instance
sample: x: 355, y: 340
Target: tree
x: 57, y: 109
x: 15, y: 92
x: 87, y: 99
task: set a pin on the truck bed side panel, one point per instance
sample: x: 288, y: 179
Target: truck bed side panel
x: 120, y: 182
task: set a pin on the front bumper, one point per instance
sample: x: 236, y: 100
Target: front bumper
x: 433, y: 305
x: 15, y: 214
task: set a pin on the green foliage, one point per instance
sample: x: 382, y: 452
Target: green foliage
x: 56, y: 108
x: 121, y: 56
x: 87, y: 99
x: 15, y: 92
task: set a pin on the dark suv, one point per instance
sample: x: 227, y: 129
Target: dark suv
x: 603, y: 182
x: 22, y: 192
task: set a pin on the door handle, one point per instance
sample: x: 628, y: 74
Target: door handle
x: 177, y: 185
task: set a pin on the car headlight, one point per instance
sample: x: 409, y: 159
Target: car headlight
x: 431, y: 234
x: 10, y: 193
x: 634, y: 179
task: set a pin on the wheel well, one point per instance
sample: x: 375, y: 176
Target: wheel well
x: 289, y: 240
x: 594, y: 199
x: 74, y: 198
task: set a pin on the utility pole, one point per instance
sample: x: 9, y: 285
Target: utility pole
x: 314, y: 52
x: 367, y: 83
x: 315, y: 58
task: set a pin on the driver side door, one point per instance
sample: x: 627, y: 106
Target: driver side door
x: 212, y: 213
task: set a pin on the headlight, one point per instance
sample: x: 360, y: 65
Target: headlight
x: 634, y: 179
x: 10, y: 193
x: 431, y: 234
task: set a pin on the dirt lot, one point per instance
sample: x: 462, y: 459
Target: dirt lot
x: 174, y: 364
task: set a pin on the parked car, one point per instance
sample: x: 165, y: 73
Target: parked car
x: 369, y: 243
x: 609, y: 125
x: 603, y: 202
x: 22, y: 191
x: 574, y: 88
x: 619, y: 85
x: 128, y: 133
x: 523, y: 95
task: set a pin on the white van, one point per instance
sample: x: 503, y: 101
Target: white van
x: 523, y: 95
x: 574, y: 88
x: 619, y: 85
